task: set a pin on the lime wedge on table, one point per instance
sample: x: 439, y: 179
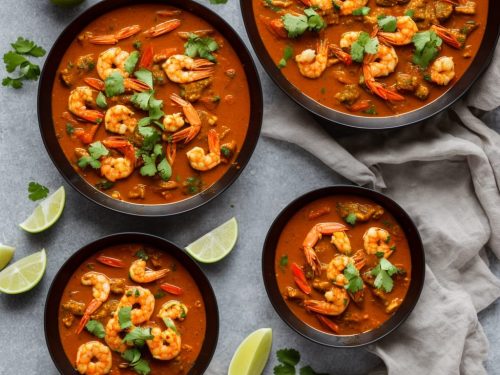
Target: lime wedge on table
x: 24, y: 274
x: 216, y: 244
x: 6, y: 254
x: 251, y: 356
x: 46, y: 213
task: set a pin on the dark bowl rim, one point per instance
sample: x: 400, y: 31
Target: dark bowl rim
x: 52, y: 339
x: 329, y: 116
x: 313, y: 334
x: 47, y: 131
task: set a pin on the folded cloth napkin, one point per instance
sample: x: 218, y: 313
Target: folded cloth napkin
x: 446, y: 174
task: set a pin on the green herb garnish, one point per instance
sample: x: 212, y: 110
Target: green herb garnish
x: 142, y: 254
x: 37, y: 191
x: 427, y: 45
x: 131, y: 62
x: 383, y: 272
x: 202, y: 47
x: 15, y: 61
x: 355, y: 281
x: 138, y: 336
x: 101, y: 100
x: 113, y: 85
x: 298, y: 25
x: 287, y: 55
x: 124, y: 317
x: 96, y: 151
x: 363, y: 45
x: 138, y: 364
x: 351, y: 218
x: 96, y: 328
x: 145, y: 76
x: 387, y: 23
x: 361, y: 11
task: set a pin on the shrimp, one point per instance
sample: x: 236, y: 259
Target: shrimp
x: 130, y: 84
x: 124, y: 33
x: 376, y: 87
x: 341, y: 242
x: 192, y: 117
x: 348, y: 6
x: 119, y: 119
x: 450, y: 36
x: 174, y: 310
x: 312, y: 64
x: 100, y: 293
x: 112, y: 335
x: 142, y: 302
x: 184, y: 69
x: 326, y: 6
x: 336, y: 302
x: 466, y: 7
x: 406, y: 28
x: 204, y: 162
x: 118, y: 167
x: 384, y: 62
x: 165, y: 345
x: 348, y: 38
x: 173, y: 122
x: 112, y: 61
x: 377, y: 240
x: 93, y: 358
x: 312, y: 238
x: 336, y: 267
x: 78, y: 100
x: 162, y: 28
x: 443, y: 70
x: 140, y: 274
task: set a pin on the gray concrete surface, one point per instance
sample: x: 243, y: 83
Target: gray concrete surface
x: 277, y: 173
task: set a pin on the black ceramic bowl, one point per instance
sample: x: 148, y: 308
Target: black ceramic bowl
x: 49, y: 74
x: 332, y: 118
x: 347, y: 341
x: 62, y: 277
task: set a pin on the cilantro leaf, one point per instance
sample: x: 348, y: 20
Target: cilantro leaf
x: 287, y: 55
x: 410, y: 13
x: 149, y: 167
x: 142, y: 367
x: 297, y: 25
x: 284, y: 261
x: 16, y: 83
x: 427, y: 45
x: 145, y: 76
x: 218, y: 1
x: 383, y: 272
x: 98, y: 150
x: 164, y: 169
x: 124, y: 317
x: 141, y: 254
x: 37, y: 191
x: 27, y: 47
x: 101, y: 100
x: 86, y: 160
x: 387, y: 23
x: 138, y: 336
x: 363, y: 45
x: 314, y: 21
x: 363, y: 11
x: 351, y: 218
x: 284, y: 369
x: 113, y: 85
x: 131, y: 355
x: 141, y: 99
x: 15, y: 61
x: 202, y: 47
x: 70, y: 129
x: 12, y: 60
x: 355, y: 281
x: 131, y: 62
x: 288, y: 356
x: 96, y: 328
x: 307, y: 370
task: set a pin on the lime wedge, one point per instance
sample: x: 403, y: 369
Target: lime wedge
x: 216, y: 244
x: 24, y: 274
x: 46, y: 213
x: 251, y: 356
x: 6, y: 254
x: 67, y: 2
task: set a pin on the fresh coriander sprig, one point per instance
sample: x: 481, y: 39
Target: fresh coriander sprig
x: 37, y: 191
x: 363, y: 45
x: 202, y: 47
x: 355, y: 281
x: 16, y: 61
x: 96, y: 151
x: 289, y: 358
x: 297, y: 25
x: 383, y: 273
x: 427, y: 44
x: 138, y: 364
x: 96, y: 328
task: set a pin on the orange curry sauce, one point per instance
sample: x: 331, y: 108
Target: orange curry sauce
x: 357, y: 318
x: 192, y: 329
x: 227, y: 98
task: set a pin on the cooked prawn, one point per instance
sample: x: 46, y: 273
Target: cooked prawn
x: 93, y: 358
x: 201, y: 161
x: 336, y: 267
x: 165, y: 345
x: 162, y: 28
x: 313, y: 63
x: 142, y: 302
x: 466, y: 7
x: 78, y: 100
x: 124, y: 33
x: 100, y: 293
x: 376, y: 87
x: 112, y: 335
x: 341, y: 242
x: 348, y: 6
x: 139, y: 273
x: 174, y: 310
x: 192, y: 117
x: 118, y: 167
x: 112, y: 61
x: 312, y: 238
x: 443, y: 70
x: 119, y: 119
x: 184, y: 69
x: 383, y: 62
x: 377, y: 240
x: 336, y: 302
x: 348, y: 38
x: 173, y: 122
x: 406, y: 28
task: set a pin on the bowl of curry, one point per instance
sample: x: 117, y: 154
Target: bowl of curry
x: 343, y: 266
x: 131, y: 303
x: 150, y: 108
x: 373, y: 64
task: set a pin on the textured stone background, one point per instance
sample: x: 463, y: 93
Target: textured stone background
x: 277, y: 173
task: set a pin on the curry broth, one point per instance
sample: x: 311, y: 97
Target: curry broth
x: 372, y: 311
x: 324, y: 88
x: 192, y: 329
x: 233, y: 110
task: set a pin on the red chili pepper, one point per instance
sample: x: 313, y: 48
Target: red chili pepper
x: 147, y: 57
x: 328, y: 323
x: 172, y: 289
x: 302, y: 285
x: 297, y: 272
x: 112, y: 262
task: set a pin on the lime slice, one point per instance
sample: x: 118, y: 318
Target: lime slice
x: 66, y: 3
x: 6, y: 254
x: 46, y: 213
x: 216, y: 244
x: 251, y: 356
x: 24, y: 274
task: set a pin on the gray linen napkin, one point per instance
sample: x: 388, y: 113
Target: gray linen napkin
x: 446, y: 174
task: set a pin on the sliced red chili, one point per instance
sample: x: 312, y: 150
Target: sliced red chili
x: 314, y: 214
x: 328, y: 323
x: 303, y: 285
x: 112, y: 262
x: 172, y: 289
x: 298, y: 273
x: 147, y: 57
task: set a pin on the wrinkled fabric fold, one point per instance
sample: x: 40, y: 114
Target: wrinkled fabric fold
x: 446, y: 173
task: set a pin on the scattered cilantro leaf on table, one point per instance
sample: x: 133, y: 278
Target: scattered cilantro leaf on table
x: 15, y: 61
x: 288, y: 356
x: 37, y: 191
